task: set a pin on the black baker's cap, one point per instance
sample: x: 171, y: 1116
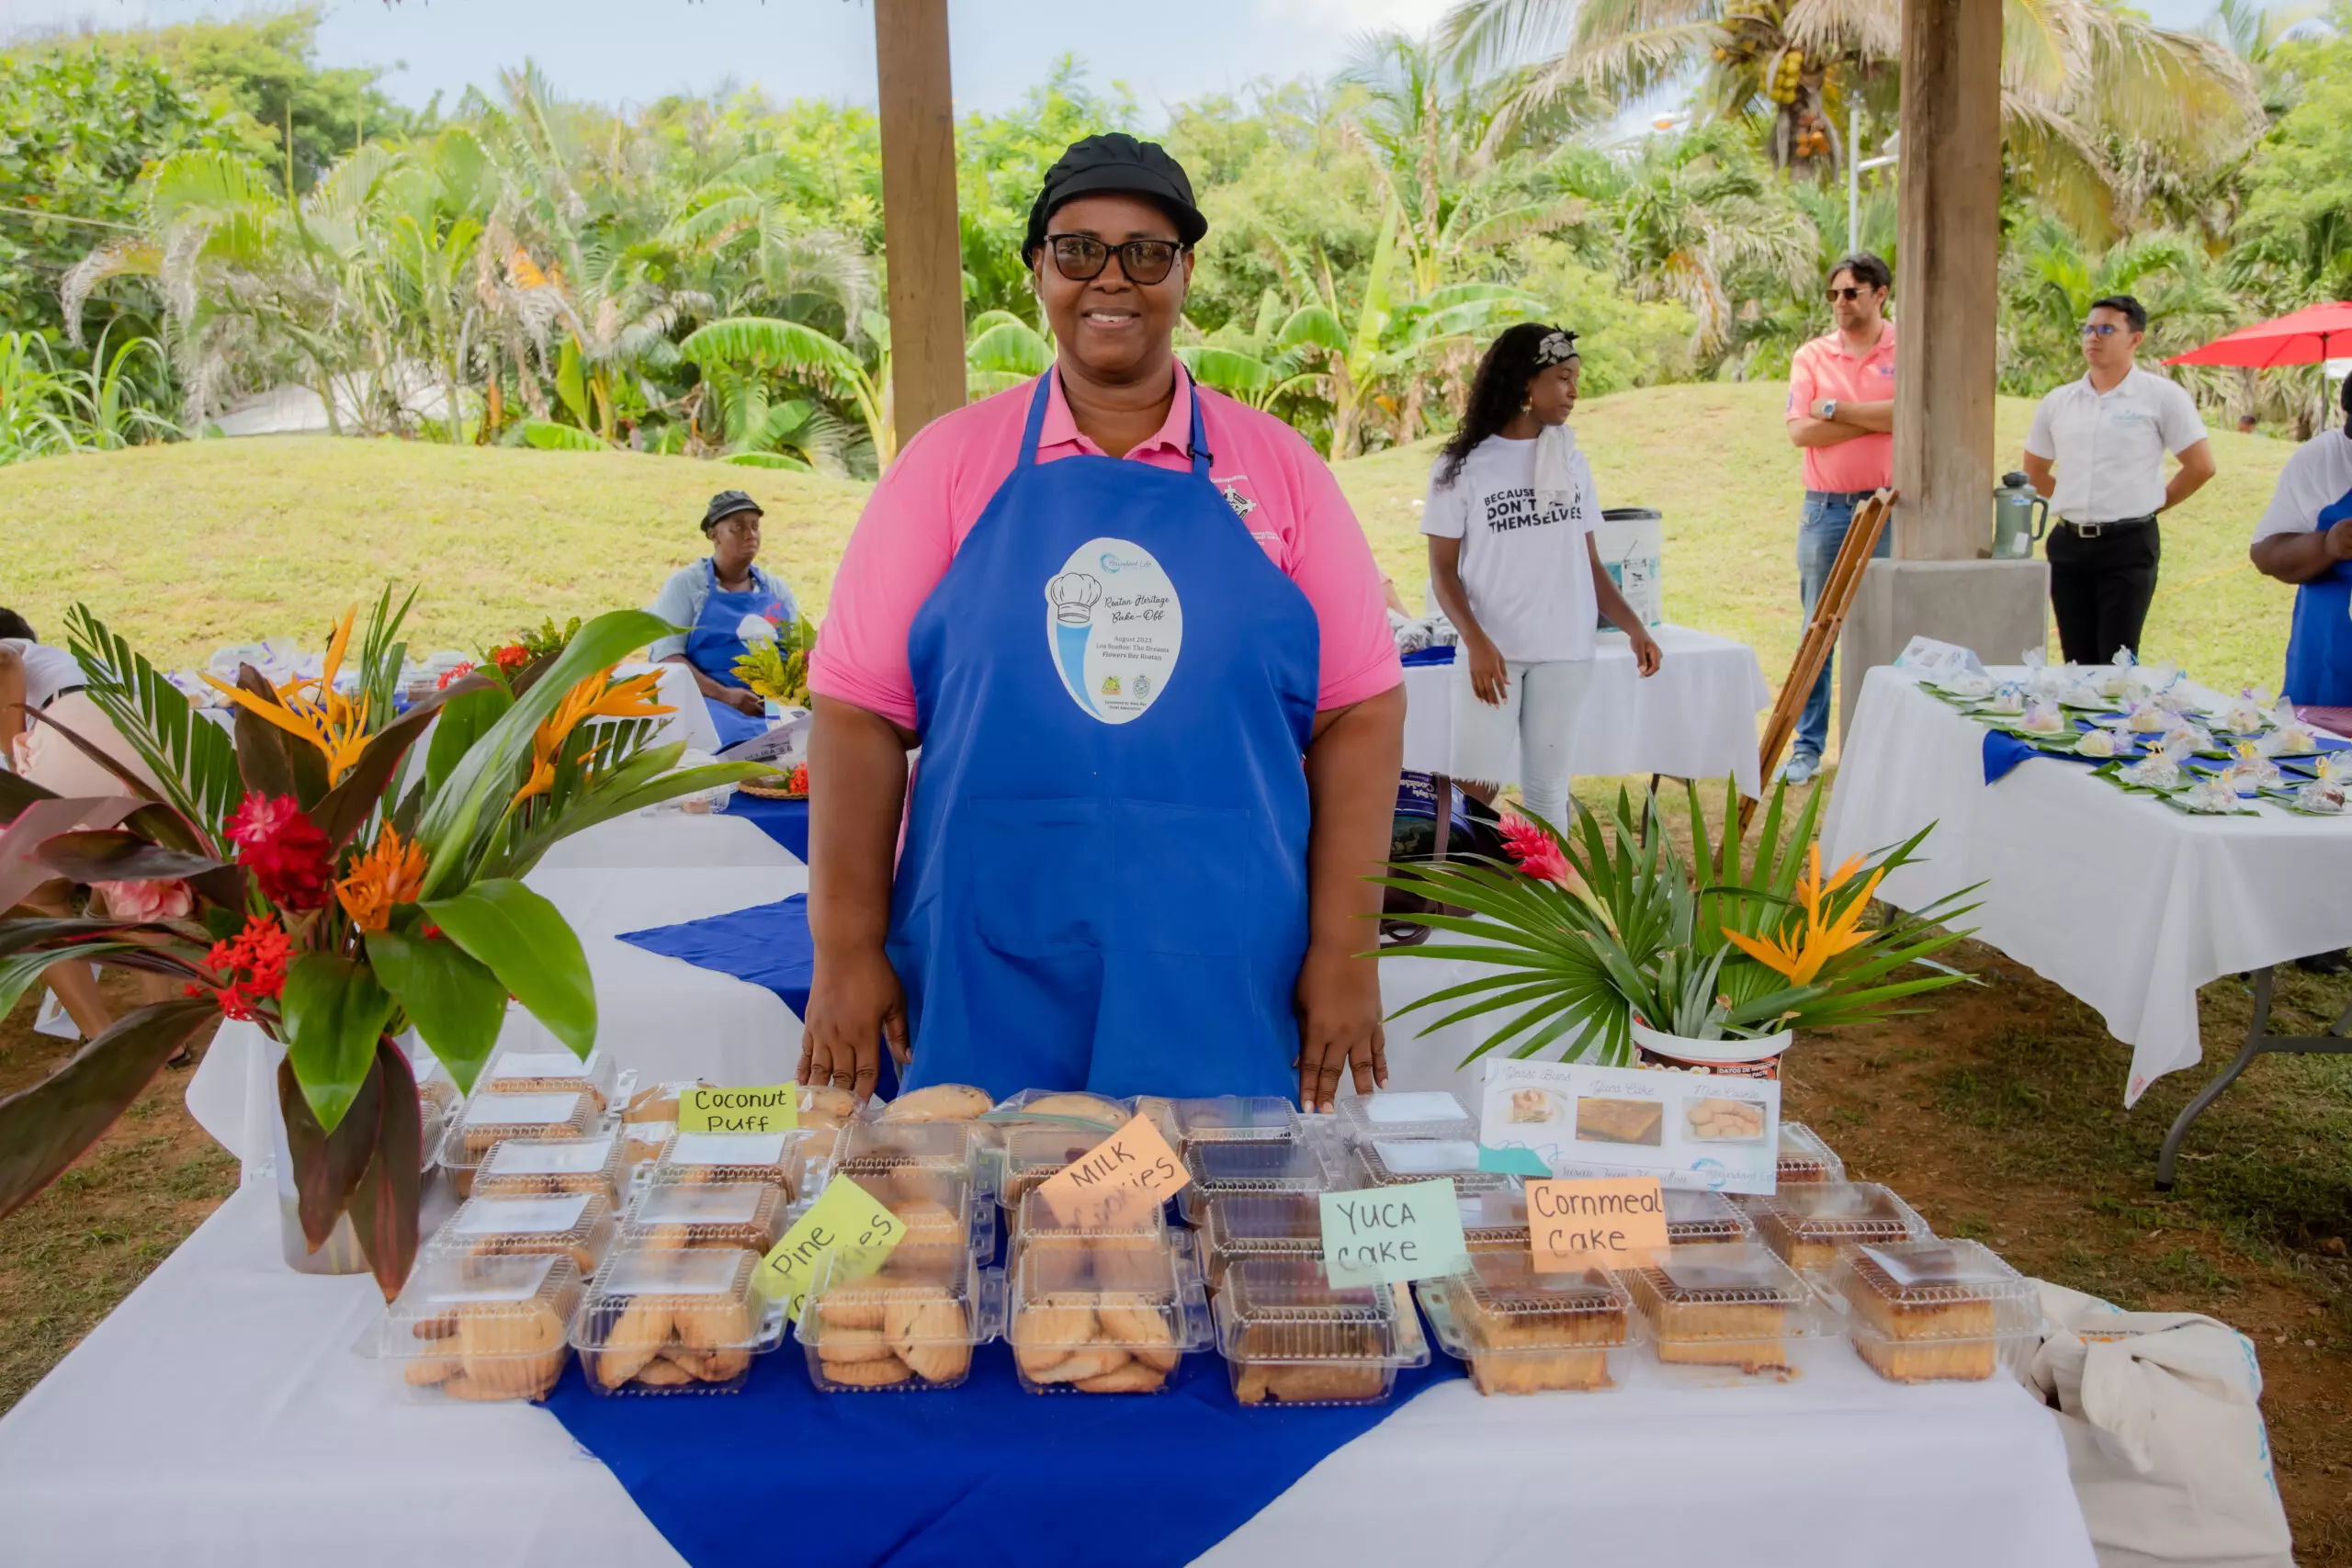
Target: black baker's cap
x: 1116, y: 162
x: 725, y: 504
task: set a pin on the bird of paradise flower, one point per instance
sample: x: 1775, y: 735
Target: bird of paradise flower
x: 1806, y: 942
x: 313, y: 710
x: 632, y: 698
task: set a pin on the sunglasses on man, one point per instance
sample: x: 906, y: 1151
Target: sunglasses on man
x: 1082, y: 257
x: 1852, y: 291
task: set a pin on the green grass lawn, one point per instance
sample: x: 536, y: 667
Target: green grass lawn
x: 186, y: 547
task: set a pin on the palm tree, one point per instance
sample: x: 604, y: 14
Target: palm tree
x: 753, y: 347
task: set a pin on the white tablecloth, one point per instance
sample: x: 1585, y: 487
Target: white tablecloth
x: 2118, y: 899
x: 1694, y: 719
x: 220, y: 1416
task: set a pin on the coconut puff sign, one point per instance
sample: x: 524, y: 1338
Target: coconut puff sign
x: 331, y: 880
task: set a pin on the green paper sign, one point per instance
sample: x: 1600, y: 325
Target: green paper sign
x: 845, y: 1219
x: 775, y: 1108
x: 1512, y: 1161
x: 1384, y: 1235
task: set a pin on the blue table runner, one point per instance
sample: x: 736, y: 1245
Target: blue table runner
x: 785, y: 821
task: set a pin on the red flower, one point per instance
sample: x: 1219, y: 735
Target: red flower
x: 1536, y: 852
x: 511, y: 658
x: 463, y: 668
x: 284, y: 850
x: 798, y: 780
x: 249, y: 967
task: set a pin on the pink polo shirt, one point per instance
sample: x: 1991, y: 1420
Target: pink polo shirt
x: 918, y: 515
x: 1822, y: 368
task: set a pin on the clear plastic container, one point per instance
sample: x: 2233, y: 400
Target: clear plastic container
x: 1242, y: 1226
x: 1070, y: 1108
x: 1692, y: 1216
x: 1807, y: 1223
x: 527, y: 1167
x: 1495, y: 1221
x: 911, y: 1326
x: 489, y: 1120
x: 578, y: 1225
x: 1426, y: 1114
x: 938, y: 1102
x: 482, y: 1328
x: 1092, y: 1320
x: 1936, y: 1311
x: 791, y: 1162
x: 749, y: 1215
x: 668, y: 1320
x: 939, y: 1207
x: 1804, y: 1158
x: 1236, y: 1118
x: 870, y: 1149
x: 1034, y: 1224
x: 1392, y: 1162
x: 1033, y: 1154
x: 1723, y: 1314
x: 1290, y: 1336
x: 1522, y: 1332
x: 1217, y: 1169
x: 822, y: 1105
x: 548, y: 1072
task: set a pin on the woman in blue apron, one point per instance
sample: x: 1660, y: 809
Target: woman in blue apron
x: 1135, y: 857
x: 725, y: 603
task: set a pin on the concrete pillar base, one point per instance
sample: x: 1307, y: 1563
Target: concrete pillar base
x: 1997, y: 607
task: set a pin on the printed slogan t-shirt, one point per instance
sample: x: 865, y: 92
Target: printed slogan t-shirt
x: 1525, y: 565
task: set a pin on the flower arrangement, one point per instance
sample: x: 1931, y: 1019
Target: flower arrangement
x: 1588, y: 931
x: 528, y: 648
x: 332, y: 881
x: 778, y: 669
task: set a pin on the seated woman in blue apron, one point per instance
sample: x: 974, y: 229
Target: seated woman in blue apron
x: 725, y: 603
x: 1140, y: 641
x: 2305, y: 539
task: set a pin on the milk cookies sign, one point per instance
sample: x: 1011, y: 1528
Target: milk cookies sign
x: 1688, y: 1129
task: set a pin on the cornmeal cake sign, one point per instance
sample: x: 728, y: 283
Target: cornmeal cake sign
x: 1688, y: 1130
x: 1611, y: 1222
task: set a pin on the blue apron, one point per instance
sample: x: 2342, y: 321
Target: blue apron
x: 2319, y: 648
x: 716, y: 642
x: 1103, y: 883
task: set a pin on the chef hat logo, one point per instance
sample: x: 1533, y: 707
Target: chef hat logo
x: 1073, y: 596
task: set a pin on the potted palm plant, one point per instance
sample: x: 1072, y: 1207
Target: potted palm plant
x: 1603, y: 943
x: 332, y: 881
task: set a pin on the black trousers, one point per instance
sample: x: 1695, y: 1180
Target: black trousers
x: 2100, y: 590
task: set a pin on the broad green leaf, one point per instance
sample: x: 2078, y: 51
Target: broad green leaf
x: 327, y: 1164
x: 334, y: 1011
x: 525, y: 942
x: 456, y: 1003
x: 384, y: 1203
x: 465, y: 718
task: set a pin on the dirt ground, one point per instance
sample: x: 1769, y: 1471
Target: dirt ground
x: 1999, y: 1114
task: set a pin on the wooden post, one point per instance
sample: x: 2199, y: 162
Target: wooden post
x: 1949, y: 215
x: 919, y: 230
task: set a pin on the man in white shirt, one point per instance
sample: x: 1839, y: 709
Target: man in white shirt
x: 2107, y: 435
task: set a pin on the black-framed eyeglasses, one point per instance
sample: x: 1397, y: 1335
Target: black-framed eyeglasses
x: 1082, y: 257
x: 1852, y: 291
x: 2101, y: 329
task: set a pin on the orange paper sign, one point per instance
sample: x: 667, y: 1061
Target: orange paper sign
x: 1611, y: 1222
x: 1126, y: 1176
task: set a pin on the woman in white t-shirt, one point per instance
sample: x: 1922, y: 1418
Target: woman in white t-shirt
x: 1509, y: 520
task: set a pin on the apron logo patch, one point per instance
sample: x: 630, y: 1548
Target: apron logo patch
x: 1113, y: 626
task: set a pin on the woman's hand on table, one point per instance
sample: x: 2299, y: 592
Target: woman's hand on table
x: 745, y: 702
x: 1338, y: 1026
x: 854, y: 1001
x: 1647, y: 656
x: 1489, y: 676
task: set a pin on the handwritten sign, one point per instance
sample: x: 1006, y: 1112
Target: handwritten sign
x: 1387, y: 1235
x: 1610, y: 1222
x: 845, y: 1220
x: 775, y: 1108
x: 1124, y: 1177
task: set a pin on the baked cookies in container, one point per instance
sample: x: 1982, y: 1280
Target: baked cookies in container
x: 650, y: 1115
x: 745, y: 1215
x: 910, y: 1325
x: 548, y: 1071
x: 1290, y: 1336
x: 1073, y: 1107
x: 546, y: 1167
x: 793, y: 1163
x: 578, y: 1225
x: 938, y: 1102
x: 1936, y: 1311
x: 1217, y: 1169
x: 1427, y: 1114
x: 1393, y: 1162
x: 1036, y: 1225
x: 869, y: 1148
x: 1723, y: 1314
x: 1807, y: 1223
x: 1241, y: 1225
x: 1091, y: 1320
x: 1033, y: 1152
x: 1522, y: 1332
x: 482, y: 1328
x: 491, y: 1119
x: 673, y: 1320
x: 1806, y: 1158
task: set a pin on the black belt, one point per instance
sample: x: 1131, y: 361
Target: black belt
x: 62, y: 692
x: 2093, y: 530
x: 1849, y: 497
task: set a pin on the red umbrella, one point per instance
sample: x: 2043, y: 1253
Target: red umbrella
x: 2300, y: 337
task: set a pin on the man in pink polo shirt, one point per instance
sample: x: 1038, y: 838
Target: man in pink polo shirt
x: 1842, y: 413
x: 1141, y: 643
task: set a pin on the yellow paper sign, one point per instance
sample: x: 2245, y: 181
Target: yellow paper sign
x: 1611, y: 1222
x: 1124, y: 1178
x: 775, y: 1108
x: 845, y: 1220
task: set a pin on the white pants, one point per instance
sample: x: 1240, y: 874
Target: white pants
x: 1525, y: 741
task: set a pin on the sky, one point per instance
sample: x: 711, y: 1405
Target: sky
x: 636, y: 50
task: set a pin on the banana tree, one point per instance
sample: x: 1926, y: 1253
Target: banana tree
x: 1001, y: 350
x: 797, y: 354
x: 325, y: 881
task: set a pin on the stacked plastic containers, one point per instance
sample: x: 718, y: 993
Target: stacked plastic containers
x: 1522, y: 1332
x: 1808, y: 1224
x: 1724, y: 1314
x: 661, y: 1320
x: 482, y: 1328
x: 1290, y: 1336
x: 1934, y: 1311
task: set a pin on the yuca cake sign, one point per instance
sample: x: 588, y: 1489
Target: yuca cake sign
x: 1689, y: 1130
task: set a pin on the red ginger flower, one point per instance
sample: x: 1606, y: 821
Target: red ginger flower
x: 285, y: 850
x: 511, y: 658
x: 449, y: 677
x: 1536, y: 852
x: 248, y: 967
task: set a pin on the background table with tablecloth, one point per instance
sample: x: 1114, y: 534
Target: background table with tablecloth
x: 1694, y: 719
x: 2125, y: 902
